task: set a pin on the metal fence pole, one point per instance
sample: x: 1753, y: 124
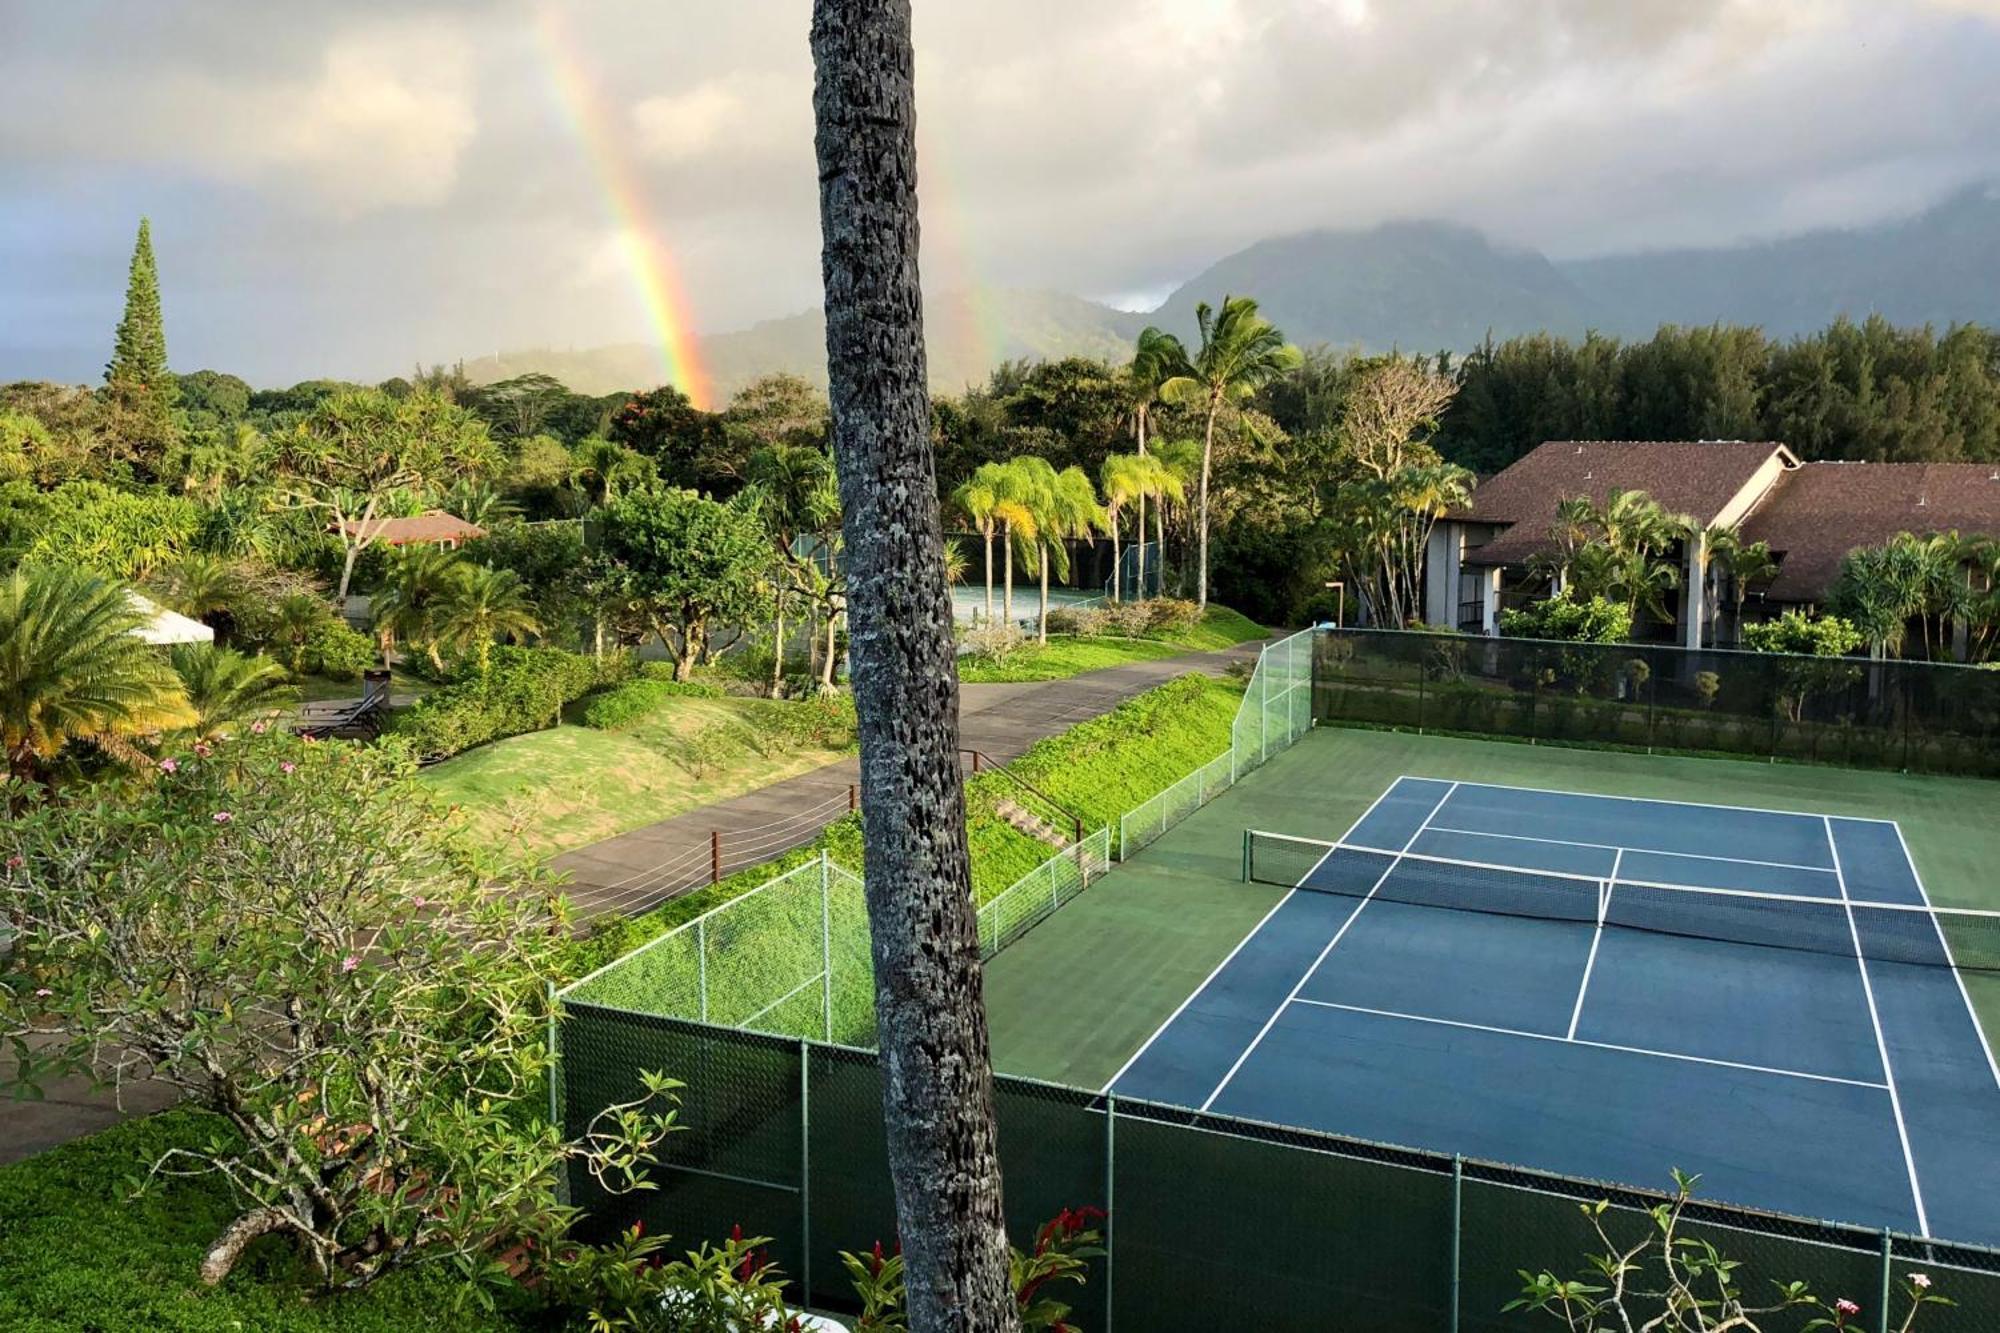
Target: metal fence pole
x: 825, y: 946
x: 1264, y: 706
x: 701, y: 964
x: 1457, y: 1231
x: 805, y: 1170
x: 1110, y: 1204
x: 1246, y: 856
x: 1888, y: 1262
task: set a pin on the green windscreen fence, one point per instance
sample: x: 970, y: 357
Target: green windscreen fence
x: 1922, y: 716
x: 1212, y: 1222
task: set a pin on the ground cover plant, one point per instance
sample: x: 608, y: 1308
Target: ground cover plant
x: 1098, y: 637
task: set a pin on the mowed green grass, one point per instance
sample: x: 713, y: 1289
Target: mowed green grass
x: 548, y: 791
x: 1079, y: 994
x: 1071, y: 655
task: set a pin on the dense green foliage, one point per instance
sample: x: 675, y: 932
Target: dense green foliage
x: 1797, y: 632
x: 622, y: 705
x: 1592, y: 620
x: 522, y: 690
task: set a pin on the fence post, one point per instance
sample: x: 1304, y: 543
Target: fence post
x: 825, y: 946
x: 1246, y: 856
x: 1110, y: 1203
x: 715, y: 856
x: 701, y: 964
x: 1888, y: 1262
x: 1457, y: 1232
x: 1264, y: 705
x: 805, y: 1171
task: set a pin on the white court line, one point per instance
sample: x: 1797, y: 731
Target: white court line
x: 1205, y: 981
x: 1881, y: 1046
x: 1650, y: 800
x: 1647, y: 851
x: 1957, y: 975
x: 1596, y: 937
x: 1338, y: 935
x: 1601, y: 1045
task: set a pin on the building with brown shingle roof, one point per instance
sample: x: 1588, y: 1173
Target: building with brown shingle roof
x: 436, y: 528
x: 1810, y: 514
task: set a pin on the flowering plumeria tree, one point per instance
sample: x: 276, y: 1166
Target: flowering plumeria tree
x: 292, y: 935
x: 1667, y: 1281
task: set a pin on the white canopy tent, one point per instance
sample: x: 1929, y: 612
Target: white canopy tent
x: 164, y: 626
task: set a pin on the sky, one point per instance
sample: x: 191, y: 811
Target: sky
x: 348, y: 189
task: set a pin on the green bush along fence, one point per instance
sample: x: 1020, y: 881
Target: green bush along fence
x: 1920, y: 716
x: 1212, y: 1222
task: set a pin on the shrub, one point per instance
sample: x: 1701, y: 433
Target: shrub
x: 625, y: 704
x: 524, y: 689
x: 1170, y: 615
x: 993, y: 641
x: 1797, y: 632
x: 1565, y: 618
x: 1076, y: 620
x: 663, y: 673
x: 337, y: 651
x: 823, y: 721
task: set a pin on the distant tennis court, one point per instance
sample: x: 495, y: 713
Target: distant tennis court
x: 1609, y: 987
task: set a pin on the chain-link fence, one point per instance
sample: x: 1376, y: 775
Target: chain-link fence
x: 1920, y: 716
x: 1149, y: 819
x: 1213, y: 1222
x: 1030, y: 899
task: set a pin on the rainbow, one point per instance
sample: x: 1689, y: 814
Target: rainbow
x: 947, y: 238
x: 595, y: 124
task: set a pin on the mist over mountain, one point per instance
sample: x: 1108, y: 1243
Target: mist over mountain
x: 1420, y: 286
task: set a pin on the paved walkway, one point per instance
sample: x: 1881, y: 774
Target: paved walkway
x: 639, y: 869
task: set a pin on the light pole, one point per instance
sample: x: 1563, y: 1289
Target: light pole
x: 1340, y: 604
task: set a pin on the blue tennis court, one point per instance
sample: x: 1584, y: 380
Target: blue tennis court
x: 1611, y: 987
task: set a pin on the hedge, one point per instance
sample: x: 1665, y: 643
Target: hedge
x: 524, y: 689
x: 625, y: 704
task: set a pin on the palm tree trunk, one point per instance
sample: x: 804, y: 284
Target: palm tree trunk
x: 1207, y: 451
x: 1139, y: 539
x: 1160, y: 527
x: 1007, y: 592
x: 1117, y: 570
x: 987, y: 533
x: 830, y: 663
x: 1042, y: 616
x: 937, y: 1089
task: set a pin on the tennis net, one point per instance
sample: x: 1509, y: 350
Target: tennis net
x: 1964, y: 938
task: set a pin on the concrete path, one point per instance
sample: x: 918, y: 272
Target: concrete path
x: 642, y: 868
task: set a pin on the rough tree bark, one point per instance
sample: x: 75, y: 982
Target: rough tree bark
x: 937, y: 1080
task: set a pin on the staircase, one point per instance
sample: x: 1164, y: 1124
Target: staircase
x: 1031, y: 824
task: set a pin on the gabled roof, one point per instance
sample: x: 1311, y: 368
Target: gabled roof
x: 436, y: 526
x: 165, y: 626
x: 1819, y: 512
x: 1684, y: 476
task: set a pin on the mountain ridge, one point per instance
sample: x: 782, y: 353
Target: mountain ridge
x: 1419, y: 285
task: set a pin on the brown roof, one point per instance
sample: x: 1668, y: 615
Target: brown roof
x: 1819, y: 512
x: 436, y: 526
x: 1684, y: 476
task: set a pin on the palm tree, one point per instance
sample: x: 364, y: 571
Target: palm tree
x: 956, y: 562
x: 478, y: 501
x: 405, y: 607
x: 1125, y: 481
x: 1745, y: 563
x: 792, y: 483
x: 1016, y: 508
x: 977, y: 498
x: 1180, y: 464
x: 1240, y: 353
x: 226, y: 688
x: 481, y: 605
x: 937, y: 1111
x: 72, y: 668
x: 204, y: 587
x: 1152, y: 365
x: 294, y: 619
x: 1069, y: 509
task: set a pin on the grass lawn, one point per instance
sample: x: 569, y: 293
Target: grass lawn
x: 1076, y: 996
x: 1070, y: 655
x: 77, y: 1251
x: 547, y: 791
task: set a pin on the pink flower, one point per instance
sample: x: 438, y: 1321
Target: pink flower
x: 201, y: 748
x: 223, y: 816
x: 15, y: 863
x: 418, y: 901
x: 43, y: 993
x: 1846, y: 1307
x: 169, y: 765
x: 258, y: 728
x: 1921, y: 1281
x: 349, y: 963
x: 287, y: 767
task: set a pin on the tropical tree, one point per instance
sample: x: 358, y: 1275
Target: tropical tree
x: 293, y: 620
x: 480, y: 605
x: 1381, y: 527
x: 1240, y: 352
x: 406, y: 606
x: 796, y: 495
x: 937, y: 1112
x: 686, y: 564
x: 1180, y: 465
x: 1016, y: 506
x: 1883, y: 588
x: 1744, y: 563
x: 956, y: 563
x: 72, y: 668
x: 1152, y: 366
x: 226, y: 689
x: 1126, y: 480
x: 980, y: 498
x: 1069, y: 510
x: 204, y: 587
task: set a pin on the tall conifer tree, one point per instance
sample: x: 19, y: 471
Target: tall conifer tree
x: 141, y: 388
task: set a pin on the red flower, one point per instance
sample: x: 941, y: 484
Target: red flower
x: 736, y: 1232
x: 638, y: 1228
x: 876, y: 1265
